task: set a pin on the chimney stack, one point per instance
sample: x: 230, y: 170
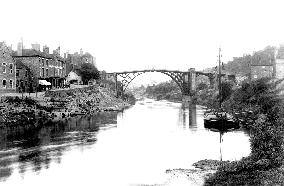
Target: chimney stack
x: 36, y: 47
x: 57, y: 51
x: 20, y: 49
x: 45, y: 49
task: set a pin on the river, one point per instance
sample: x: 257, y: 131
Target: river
x: 133, y: 147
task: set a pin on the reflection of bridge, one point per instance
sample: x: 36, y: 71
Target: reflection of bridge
x: 184, y: 79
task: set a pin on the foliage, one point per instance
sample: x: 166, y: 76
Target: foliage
x: 88, y: 71
x: 263, y: 108
x: 210, y: 97
x: 245, y: 173
x: 165, y: 90
x: 226, y: 90
x: 201, y: 86
x: 128, y: 96
x: 16, y: 100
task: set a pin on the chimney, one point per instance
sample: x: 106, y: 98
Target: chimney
x: 57, y: 51
x: 20, y: 49
x: 36, y: 47
x: 81, y: 52
x: 45, y: 49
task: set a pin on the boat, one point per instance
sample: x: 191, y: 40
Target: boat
x: 219, y: 119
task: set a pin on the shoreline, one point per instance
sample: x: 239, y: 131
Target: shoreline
x: 56, y: 105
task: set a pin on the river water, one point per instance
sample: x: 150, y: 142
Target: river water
x: 133, y: 147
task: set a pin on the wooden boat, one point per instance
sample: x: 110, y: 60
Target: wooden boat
x: 218, y: 119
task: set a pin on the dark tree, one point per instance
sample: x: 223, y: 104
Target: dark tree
x: 88, y: 71
x: 227, y: 90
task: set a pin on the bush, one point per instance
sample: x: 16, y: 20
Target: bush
x: 265, y: 123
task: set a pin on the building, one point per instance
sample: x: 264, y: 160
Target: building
x: 7, y: 71
x: 44, y: 69
x: 260, y: 71
x: 263, y: 64
x: 24, y: 78
x: 74, y: 61
x: 74, y: 78
x: 279, y: 63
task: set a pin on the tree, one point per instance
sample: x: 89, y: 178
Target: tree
x: 226, y: 90
x: 88, y: 71
x: 201, y: 86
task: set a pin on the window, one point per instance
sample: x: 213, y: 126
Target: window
x: 17, y: 83
x: 11, y: 68
x: 47, y: 62
x: 11, y: 83
x: 4, y: 83
x: 42, y: 72
x: 17, y: 73
x: 26, y: 73
x: 4, y: 67
x: 46, y: 72
x: 41, y: 61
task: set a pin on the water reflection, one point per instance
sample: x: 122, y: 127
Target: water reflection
x: 188, y: 116
x: 221, y: 140
x: 33, y: 148
x: 149, y: 138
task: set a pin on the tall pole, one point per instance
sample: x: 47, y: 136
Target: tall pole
x: 116, y: 88
x: 219, y: 83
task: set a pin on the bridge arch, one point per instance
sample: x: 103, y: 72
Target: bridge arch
x: 129, y: 77
x: 184, y: 79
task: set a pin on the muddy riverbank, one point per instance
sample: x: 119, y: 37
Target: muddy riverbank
x: 58, y: 105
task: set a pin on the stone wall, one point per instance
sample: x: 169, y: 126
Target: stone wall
x: 68, y: 92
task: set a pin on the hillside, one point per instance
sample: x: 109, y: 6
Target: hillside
x: 165, y: 90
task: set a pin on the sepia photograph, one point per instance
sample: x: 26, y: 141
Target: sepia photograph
x: 141, y: 93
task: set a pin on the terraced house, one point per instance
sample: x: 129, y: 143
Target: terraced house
x: 42, y: 70
x: 7, y: 72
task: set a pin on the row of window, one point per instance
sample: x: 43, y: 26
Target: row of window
x: 18, y: 73
x: 4, y: 68
x: 5, y: 85
x: 44, y: 72
x: 45, y: 62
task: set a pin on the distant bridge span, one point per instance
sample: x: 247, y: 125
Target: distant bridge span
x: 184, y: 79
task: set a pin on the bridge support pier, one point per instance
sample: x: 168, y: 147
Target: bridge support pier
x: 186, y: 80
x: 186, y: 101
x: 211, y: 80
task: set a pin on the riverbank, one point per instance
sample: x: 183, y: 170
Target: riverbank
x: 262, y: 106
x: 214, y: 172
x: 17, y: 109
x: 196, y: 176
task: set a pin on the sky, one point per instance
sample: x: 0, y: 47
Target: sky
x: 135, y: 34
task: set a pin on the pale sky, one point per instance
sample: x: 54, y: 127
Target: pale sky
x: 132, y: 34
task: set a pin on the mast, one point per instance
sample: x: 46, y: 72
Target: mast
x: 219, y: 79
